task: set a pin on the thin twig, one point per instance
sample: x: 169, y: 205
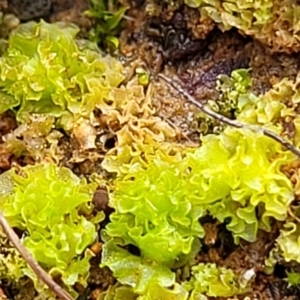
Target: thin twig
x: 62, y: 294
x: 177, y: 85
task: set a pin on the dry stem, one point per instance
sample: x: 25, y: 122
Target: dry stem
x: 177, y: 85
x: 62, y: 294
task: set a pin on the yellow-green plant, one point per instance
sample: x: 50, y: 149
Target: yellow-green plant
x: 273, y: 22
x: 235, y: 177
x: 51, y: 206
x: 107, y: 22
x: 45, y: 71
x: 213, y: 281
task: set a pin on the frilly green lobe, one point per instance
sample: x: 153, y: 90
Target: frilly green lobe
x: 44, y: 71
x: 140, y: 274
x: 213, y: 281
x: 272, y: 22
x: 288, y: 242
x: 51, y: 204
x: 246, y: 15
x: 234, y: 176
x: 160, y: 195
x: 146, y: 280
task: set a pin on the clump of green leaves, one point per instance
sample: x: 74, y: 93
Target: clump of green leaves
x: 155, y: 213
x: 234, y: 90
x: 150, y: 281
x: 107, y: 17
x: 213, y: 281
x: 143, y: 275
x: 271, y: 110
x: 273, y: 22
x: 45, y: 71
x: 240, y: 14
x: 118, y: 292
x: 235, y: 177
x: 11, y: 262
x: 293, y: 279
x: 276, y: 110
x: 234, y: 93
x: 288, y: 243
x: 51, y: 205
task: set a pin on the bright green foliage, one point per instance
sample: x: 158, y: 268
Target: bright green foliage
x: 273, y: 22
x: 154, y: 293
x: 241, y: 14
x: 107, y: 22
x: 234, y: 176
x: 234, y: 90
x: 213, y: 281
x: 161, y: 293
x: 287, y: 247
x: 234, y: 93
x: 268, y: 110
x: 51, y: 204
x: 238, y: 178
x: 289, y: 242
x: 134, y: 271
x: 12, y: 265
x: 148, y: 280
x: 293, y: 279
x: 118, y: 292
x: 151, y: 281
x: 44, y: 71
x: 155, y: 212
x: 159, y: 197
